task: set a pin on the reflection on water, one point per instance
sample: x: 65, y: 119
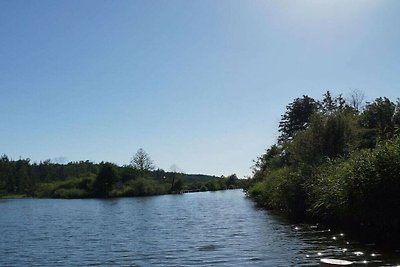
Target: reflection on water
x: 199, y: 229
x: 324, y: 243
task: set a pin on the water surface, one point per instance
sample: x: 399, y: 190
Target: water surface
x: 198, y: 229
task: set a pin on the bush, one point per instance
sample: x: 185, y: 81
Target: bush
x: 361, y: 191
x: 281, y: 189
x: 74, y: 188
x: 203, y: 188
x: 375, y: 185
x: 140, y: 187
x: 327, y: 191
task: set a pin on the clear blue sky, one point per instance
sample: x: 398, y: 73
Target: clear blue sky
x: 199, y: 84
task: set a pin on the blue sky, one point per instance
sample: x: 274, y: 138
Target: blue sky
x: 199, y: 84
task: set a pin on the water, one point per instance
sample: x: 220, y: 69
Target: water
x: 198, y: 229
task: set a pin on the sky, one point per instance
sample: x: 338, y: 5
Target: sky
x: 198, y: 84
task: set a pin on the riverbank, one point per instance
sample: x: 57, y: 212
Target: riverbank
x: 56, y: 192
x: 86, y: 179
x: 359, y: 194
x: 13, y: 197
x: 340, y: 167
x: 116, y: 195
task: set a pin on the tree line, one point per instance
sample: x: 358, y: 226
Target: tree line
x: 336, y: 160
x: 85, y: 179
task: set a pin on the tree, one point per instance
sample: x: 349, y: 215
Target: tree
x: 7, y: 181
x: 142, y: 161
x: 271, y: 159
x: 104, y: 181
x: 231, y: 181
x: 396, y: 115
x: 296, y: 117
x: 379, y: 115
x: 356, y: 99
x: 337, y: 134
x: 177, y: 186
x: 22, y: 176
x: 330, y: 105
x: 175, y: 170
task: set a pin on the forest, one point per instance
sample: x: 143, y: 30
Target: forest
x: 85, y: 179
x: 336, y: 161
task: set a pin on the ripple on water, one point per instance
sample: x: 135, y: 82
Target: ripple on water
x: 201, y: 229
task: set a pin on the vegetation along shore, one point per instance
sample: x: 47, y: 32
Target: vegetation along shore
x: 85, y: 179
x: 336, y: 161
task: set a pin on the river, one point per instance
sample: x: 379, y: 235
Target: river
x: 197, y: 229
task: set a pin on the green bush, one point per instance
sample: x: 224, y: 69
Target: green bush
x: 361, y: 191
x: 140, y: 187
x: 203, y: 188
x: 281, y: 190
x: 327, y: 191
x: 374, y: 185
x: 74, y: 187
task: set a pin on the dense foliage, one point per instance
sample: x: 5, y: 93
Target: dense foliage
x: 339, y: 164
x: 84, y: 179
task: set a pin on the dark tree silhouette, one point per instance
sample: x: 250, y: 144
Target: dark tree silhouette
x: 104, y: 181
x: 296, y: 117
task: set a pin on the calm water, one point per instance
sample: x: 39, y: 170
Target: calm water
x: 199, y: 229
